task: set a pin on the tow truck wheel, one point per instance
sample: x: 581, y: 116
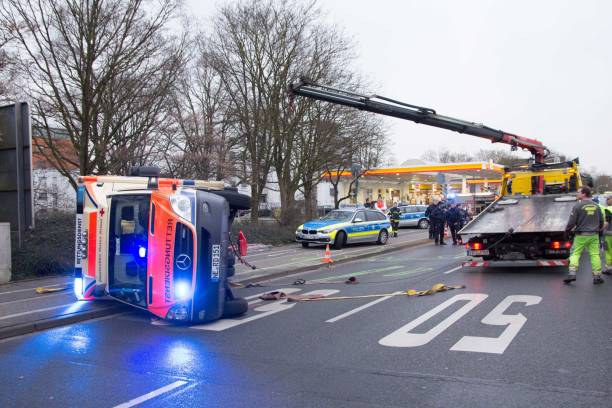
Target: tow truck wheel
x: 423, y: 224
x: 340, y: 240
x: 235, y: 307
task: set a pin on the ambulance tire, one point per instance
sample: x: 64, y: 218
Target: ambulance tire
x: 235, y: 307
x: 340, y: 240
x: 235, y: 200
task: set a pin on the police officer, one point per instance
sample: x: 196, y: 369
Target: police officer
x: 608, y: 237
x: 454, y: 217
x: 438, y: 218
x: 394, y: 216
x: 428, y: 211
x: 585, y: 222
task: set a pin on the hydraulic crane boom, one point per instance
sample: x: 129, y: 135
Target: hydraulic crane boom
x: 418, y: 114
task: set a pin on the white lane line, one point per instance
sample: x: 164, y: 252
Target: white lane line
x: 46, y: 296
x: 152, y: 394
x: 35, y: 311
x: 453, y: 270
x: 32, y: 289
x: 359, y: 309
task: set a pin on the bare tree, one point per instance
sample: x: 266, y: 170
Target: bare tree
x: 363, y: 143
x: 258, y: 48
x: 101, y: 70
x: 204, y: 133
x: 8, y: 70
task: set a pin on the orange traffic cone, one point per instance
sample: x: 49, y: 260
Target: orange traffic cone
x: 445, y: 232
x: 327, y: 258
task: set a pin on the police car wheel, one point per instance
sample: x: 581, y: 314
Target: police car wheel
x: 340, y: 240
x: 235, y: 307
x: 383, y: 237
x: 423, y: 224
x: 304, y: 244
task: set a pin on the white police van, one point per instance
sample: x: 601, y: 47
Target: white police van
x: 413, y: 216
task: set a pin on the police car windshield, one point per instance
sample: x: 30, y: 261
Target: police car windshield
x: 339, y: 215
x: 128, y: 247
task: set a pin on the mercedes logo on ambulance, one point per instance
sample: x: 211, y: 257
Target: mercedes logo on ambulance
x: 183, y: 262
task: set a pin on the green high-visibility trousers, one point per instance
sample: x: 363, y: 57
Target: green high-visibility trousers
x: 591, y: 244
x: 608, y: 251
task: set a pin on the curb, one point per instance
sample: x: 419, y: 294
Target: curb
x: 308, y: 268
x: 62, y: 320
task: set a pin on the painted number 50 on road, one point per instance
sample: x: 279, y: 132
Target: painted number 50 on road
x: 403, y: 337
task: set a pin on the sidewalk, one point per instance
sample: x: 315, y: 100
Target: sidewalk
x: 24, y: 311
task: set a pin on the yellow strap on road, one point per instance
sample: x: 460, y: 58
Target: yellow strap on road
x: 438, y: 287
x: 41, y: 291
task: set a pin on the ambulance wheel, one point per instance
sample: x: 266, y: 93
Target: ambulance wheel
x: 235, y: 200
x: 340, y: 240
x: 383, y: 237
x: 304, y: 244
x: 235, y: 307
x: 423, y: 224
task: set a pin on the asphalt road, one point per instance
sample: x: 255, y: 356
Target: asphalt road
x: 511, y: 338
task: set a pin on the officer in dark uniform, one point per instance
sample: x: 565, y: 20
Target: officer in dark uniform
x: 394, y: 215
x: 428, y: 211
x: 438, y: 217
x: 453, y: 217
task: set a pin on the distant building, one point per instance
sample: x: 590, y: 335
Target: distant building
x: 52, y: 191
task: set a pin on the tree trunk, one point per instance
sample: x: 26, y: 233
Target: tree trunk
x: 255, y: 203
x: 310, y: 201
x: 287, y: 205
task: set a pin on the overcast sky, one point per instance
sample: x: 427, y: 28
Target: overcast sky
x: 540, y: 69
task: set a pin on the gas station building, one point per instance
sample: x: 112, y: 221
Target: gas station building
x: 417, y: 182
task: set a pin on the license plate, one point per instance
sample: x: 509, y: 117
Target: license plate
x: 310, y: 238
x: 479, y: 253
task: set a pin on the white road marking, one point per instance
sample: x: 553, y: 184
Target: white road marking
x: 453, y: 270
x: 266, y: 309
x: 152, y: 394
x: 35, y: 311
x: 358, y: 309
x: 32, y: 289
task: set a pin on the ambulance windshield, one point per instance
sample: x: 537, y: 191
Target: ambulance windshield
x: 128, y: 246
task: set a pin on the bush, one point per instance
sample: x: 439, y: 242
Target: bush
x: 264, y: 232
x: 47, y: 250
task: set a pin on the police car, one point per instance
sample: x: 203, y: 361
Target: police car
x: 413, y: 216
x: 345, y: 226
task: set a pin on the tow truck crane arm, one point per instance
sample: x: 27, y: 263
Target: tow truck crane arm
x: 389, y: 107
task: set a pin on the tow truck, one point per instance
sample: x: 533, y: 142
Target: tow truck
x: 525, y: 226
x: 159, y: 244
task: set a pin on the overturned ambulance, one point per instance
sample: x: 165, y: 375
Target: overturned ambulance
x: 159, y: 244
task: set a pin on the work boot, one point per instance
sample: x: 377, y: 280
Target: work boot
x: 569, y: 279
x: 607, y: 271
x: 597, y: 280
x: 442, y: 243
x: 436, y: 242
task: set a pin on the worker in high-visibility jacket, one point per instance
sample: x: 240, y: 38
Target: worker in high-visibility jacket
x: 395, y: 215
x: 608, y: 237
x: 585, y: 222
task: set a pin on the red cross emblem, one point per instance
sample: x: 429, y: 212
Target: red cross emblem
x: 102, y: 212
